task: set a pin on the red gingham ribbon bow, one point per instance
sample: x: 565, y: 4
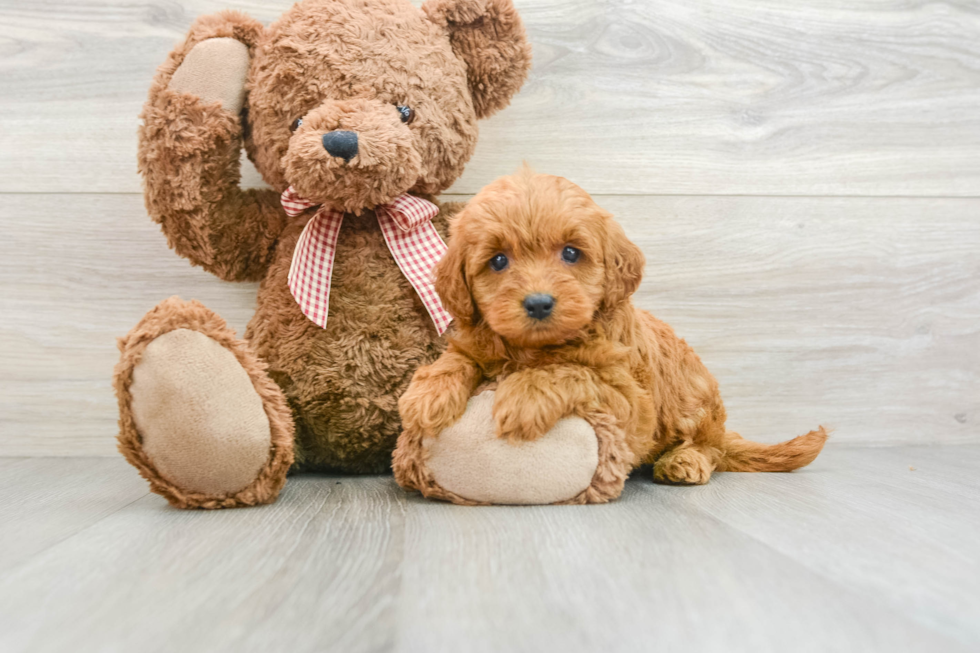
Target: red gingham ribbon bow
x: 413, y: 241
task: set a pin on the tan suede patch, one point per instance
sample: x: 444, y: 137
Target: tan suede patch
x: 215, y: 70
x: 471, y: 461
x: 200, y: 419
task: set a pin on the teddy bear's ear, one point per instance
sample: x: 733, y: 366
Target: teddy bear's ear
x: 489, y: 37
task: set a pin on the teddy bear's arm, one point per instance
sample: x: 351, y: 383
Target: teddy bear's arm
x: 189, y: 151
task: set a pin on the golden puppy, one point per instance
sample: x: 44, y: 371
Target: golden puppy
x: 539, y: 280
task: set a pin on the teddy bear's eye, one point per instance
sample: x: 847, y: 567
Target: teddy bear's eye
x: 296, y: 123
x: 570, y: 254
x: 498, y: 262
x: 408, y: 114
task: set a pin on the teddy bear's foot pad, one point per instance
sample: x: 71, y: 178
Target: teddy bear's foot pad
x: 469, y: 460
x: 199, y: 416
x: 202, y: 423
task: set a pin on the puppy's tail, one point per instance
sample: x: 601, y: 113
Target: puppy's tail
x: 741, y: 455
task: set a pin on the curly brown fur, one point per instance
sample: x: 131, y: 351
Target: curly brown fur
x: 170, y: 315
x: 189, y: 159
x: 489, y: 36
x: 615, y: 462
x: 343, y: 381
x: 594, y: 354
x: 335, y: 64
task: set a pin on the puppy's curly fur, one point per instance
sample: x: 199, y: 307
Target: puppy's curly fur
x: 594, y: 353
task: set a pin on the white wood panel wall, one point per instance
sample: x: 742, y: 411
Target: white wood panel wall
x: 804, y: 178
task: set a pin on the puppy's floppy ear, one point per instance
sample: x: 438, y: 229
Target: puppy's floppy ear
x: 489, y: 37
x: 450, y: 280
x: 624, y: 266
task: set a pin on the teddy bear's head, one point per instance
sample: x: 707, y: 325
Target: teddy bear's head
x: 354, y: 102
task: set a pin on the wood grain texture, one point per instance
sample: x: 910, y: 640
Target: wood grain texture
x: 76, y: 273
x: 855, y: 529
x: 781, y: 97
x: 45, y: 501
x: 866, y: 550
x: 664, y: 569
x: 862, y: 314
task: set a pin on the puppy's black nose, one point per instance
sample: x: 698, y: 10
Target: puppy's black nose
x: 539, y: 305
x: 341, y: 143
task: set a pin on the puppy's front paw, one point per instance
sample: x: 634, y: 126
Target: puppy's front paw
x: 523, y: 411
x: 432, y: 404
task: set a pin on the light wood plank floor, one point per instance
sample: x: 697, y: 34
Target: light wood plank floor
x: 869, y: 549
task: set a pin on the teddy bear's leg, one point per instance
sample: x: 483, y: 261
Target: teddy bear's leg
x: 577, y: 461
x: 199, y: 417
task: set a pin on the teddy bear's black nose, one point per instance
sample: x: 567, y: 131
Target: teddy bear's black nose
x: 341, y: 143
x: 539, y: 305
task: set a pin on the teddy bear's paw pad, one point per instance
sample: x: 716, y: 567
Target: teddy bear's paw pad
x: 214, y: 70
x: 469, y: 460
x: 200, y: 420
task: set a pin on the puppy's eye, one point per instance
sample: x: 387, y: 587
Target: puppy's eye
x: 570, y: 254
x: 498, y: 262
x: 296, y: 124
x: 407, y: 114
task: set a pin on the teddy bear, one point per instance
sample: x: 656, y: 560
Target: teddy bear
x: 356, y: 114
